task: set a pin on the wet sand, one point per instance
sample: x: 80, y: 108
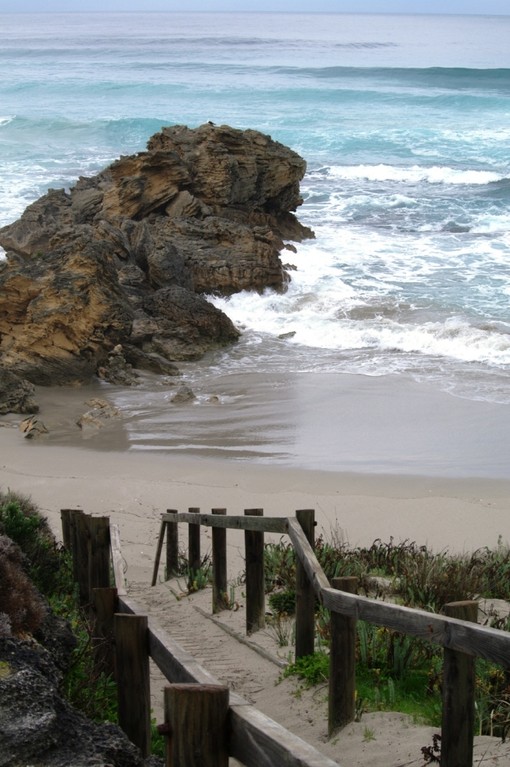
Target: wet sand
x: 117, y: 470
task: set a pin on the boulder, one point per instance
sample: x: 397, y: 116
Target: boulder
x: 16, y: 394
x: 100, y: 414
x: 39, y: 727
x: 124, y: 256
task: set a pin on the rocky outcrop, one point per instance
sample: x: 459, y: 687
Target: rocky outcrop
x: 16, y: 394
x: 125, y: 257
x: 39, y: 727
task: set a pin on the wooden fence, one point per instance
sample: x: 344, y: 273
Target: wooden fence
x: 253, y: 738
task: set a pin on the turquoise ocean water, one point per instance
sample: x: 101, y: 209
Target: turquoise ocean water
x: 405, y: 125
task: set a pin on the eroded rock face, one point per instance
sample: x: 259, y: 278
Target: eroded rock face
x: 124, y: 256
x: 39, y: 727
x: 16, y: 394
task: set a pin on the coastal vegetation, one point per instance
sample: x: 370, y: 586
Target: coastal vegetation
x: 396, y: 672
x: 36, y: 580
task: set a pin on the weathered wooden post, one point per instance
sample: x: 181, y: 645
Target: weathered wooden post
x: 219, y: 560
x: 104, y: 602
x: 98, y: 552
x: 133, y: 682
x: 342, y: 663
x: 81, y: 556
x: 172, y: 547
x: 255, y: 582
x: 194, y: 560
x: 305, y: 595
x: 457, y: 727
x: 196, y: 715
x: 70, y: 537
x: 66, y: 519
x: 159, y: 549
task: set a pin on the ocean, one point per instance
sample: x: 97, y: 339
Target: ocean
x: 404, y: 122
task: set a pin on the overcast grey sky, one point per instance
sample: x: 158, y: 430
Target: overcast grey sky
x: 332, y: 6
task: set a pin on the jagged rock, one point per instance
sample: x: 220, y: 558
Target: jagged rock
x: 183, y: 394
x: 101, y: 413
x: 38, y: 727
x: 121, y: 257
x: 150, y: 361
x: 61, y: 312
x: 16, y: 394
x: 32, y: 428
x: 188, y: 324
x: 117, y: 370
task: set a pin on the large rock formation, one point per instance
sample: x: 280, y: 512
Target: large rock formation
x: 124, y: 257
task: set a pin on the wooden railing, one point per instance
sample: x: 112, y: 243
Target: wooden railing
x: 254, y: 739
x: 205, y: 724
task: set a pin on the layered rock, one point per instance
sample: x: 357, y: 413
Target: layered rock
x: 123, y: 258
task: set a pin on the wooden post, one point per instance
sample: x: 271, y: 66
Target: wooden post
x: 104, y: 606
x: 219, y: 560
x: 133, y: 685
x: 98, y: 554
x: 196, y: 715
x: 194, y: 560
x: 66, y: 518
x: 69, y: 532
x: 172, y: 547
x: 81, y: 555
x: 457, y: 728
x: 342, y: 663
x: 255, y: 582
x: 305, y: 595
x: 159, y: 549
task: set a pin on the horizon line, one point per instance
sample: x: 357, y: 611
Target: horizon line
x: 283, y: 12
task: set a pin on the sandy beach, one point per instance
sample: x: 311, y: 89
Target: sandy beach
x: 102, y: 474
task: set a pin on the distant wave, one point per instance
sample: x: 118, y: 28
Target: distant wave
x: 414, y: 174
x: 139, y: 128
x: 438, y: 77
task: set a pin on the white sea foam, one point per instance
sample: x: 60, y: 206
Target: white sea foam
x: 414, y: 174
x: 409, y: 271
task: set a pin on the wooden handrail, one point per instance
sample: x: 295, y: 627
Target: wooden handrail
x: 261, y: 524
x: 255, y: 739
x: 482, y: 641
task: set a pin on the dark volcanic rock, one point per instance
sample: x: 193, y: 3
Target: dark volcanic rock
x: 121, y: 258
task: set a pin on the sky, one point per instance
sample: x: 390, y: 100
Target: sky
x: 498, y: 7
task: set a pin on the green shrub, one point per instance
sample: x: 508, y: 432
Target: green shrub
x: 45, y: 560
x: 283, y: 602
x: 312, y: 669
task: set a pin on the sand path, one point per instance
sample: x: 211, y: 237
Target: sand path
x: 252, y: 667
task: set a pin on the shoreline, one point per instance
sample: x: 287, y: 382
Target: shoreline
x: 104, y: 471
x: 334, y: 422
x: 134, y: 488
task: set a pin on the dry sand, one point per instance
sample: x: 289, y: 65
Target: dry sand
x: 134, y: 488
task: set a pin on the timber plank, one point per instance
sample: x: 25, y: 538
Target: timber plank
x: 489, y: 643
